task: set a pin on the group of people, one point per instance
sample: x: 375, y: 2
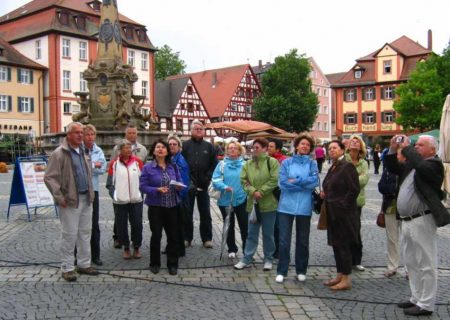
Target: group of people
x: 269, y: 192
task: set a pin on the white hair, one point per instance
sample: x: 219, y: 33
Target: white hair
x: 196, y: 122
x: 70, y: 126
x: 432, y: 140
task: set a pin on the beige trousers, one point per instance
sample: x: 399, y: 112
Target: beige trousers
x: 392, y: 235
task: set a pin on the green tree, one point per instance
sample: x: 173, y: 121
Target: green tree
x: 420, y: 100
x: 168, y: 63
x: 287, y: 100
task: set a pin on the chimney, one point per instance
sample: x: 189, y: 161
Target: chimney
x: 260, y: 64
x: 430, y: 40
x: 214, y: 79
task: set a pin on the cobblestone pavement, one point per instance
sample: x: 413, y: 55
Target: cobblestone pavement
x: 205, y: 287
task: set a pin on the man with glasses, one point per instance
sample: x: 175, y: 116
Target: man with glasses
x: 201, y: 158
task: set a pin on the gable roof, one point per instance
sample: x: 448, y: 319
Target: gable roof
x: 334, y: 78
x: 411, y: 51
x: 40, y: 17
x: 216, y: 98
x: 14, y: 58
x: 167, y: 95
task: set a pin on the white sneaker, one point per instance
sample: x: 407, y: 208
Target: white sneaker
x: 241, y: 265
x: 279, y: 278
x: 232, y: 255
x: 301, y: 277
x: 267, y: 266
x: 360, y: 267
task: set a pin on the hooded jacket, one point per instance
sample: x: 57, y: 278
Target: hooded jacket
x: 230, y: 177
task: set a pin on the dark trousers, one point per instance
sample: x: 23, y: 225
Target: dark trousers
x: 357, y: 248
x: 242, y: 218
x: 205, y: 216
x: 182, y: 208
x: 115, y: 233
x: 276, y: 237
x: 302, y: 227
x: 167, y: 218
x: 95, y: 233
x: 320, y: 163
x: 376, y: 164
x: 343, y: 257
x: 129, y: 212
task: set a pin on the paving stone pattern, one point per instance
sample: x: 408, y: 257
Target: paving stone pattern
x: 205, y: 287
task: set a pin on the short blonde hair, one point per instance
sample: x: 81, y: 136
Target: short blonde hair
x: 238, y: 145
x: 363, y: 151
x: 90, y: 127
x: 176, y: 138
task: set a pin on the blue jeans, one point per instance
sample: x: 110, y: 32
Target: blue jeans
x: 302, y: 226
x: 268, y: 224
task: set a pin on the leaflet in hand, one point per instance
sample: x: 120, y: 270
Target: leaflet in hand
x: 176, y: 183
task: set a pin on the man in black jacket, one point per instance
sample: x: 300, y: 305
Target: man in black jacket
x: 201, y: 158
x: 420, y: 209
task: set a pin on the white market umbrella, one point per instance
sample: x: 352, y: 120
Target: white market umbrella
x: 444, y: 143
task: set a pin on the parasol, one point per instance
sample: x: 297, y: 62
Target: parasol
x: 226, y: 225
x: 444, y: 143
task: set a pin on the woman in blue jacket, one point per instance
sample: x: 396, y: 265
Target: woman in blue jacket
x: 226, y: 178
x: 298, y: 178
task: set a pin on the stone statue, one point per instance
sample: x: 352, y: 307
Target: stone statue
x: 84, y: 115
x: 121, y: 116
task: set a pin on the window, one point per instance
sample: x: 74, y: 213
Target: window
x: 131, y: 58
x: 190, y: 107
x: 248, y: 109
x: 66, y: 107
x: 369, y: 94
x: 325, y: 92
x: 234, y: 106
x: 83, y: 83
x: 5, y: 73
x: 145, y: 88
x: 66, y: 48
x: 369, y: 117
x: 80, y: 21
x: 83, y: 50
x: 318, y: 92
x: 325, y: 126
x: 5, y: 103
x: 388, y: 93
x: 24, y: 76
x: 318, y: 126
x: 358, y: 74
x: 189, y: 90
x: 63, y: 18
x: 144, y: 61
x: 25, y: 104
x: 387, y: 67
x: 38, y: 49
x: 66, y: 80
x: 388, y: 116
x: 179, y: 125
x: 325, y: 110
x: 350, y: 118
x: 141, y: 35
x: 350, y: 95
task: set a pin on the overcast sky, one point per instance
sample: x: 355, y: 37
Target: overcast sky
x: 213, y: 34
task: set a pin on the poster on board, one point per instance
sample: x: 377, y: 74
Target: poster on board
x: 33, y: 181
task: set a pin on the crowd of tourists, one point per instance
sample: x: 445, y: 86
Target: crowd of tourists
x: 268, y: 192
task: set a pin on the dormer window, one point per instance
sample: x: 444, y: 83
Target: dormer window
x: 141, y: 35
x: 63, y: 18
x: 358, y: 74
x: 128, y: 30
x: 1, y: 52
x: 80, y: 22
x: 95, y: 5
x: 387, y: 67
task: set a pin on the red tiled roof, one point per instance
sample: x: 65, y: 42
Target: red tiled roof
x: 13, y: 57
x: 409, y: 49
x: 37, y: 5
x: 334, y: 78
x: 216, y: 98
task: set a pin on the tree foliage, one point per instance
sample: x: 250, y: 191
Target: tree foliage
x: 420, y: 100
x: 287, y: 100
x: 168, y: 63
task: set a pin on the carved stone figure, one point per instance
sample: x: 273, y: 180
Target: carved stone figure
x: 84, y: 115
x: 122, y: 116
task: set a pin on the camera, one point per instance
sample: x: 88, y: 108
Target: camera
x: 399, y: 139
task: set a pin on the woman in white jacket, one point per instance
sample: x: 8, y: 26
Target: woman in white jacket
x: 123, y: 186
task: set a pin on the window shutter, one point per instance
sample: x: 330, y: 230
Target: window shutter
x: 31, y: 76
x: 18, y: 74
x: 383, y: 118
x: 31, y: 105
x: 374, y: 117
x: 382, y: 93
x: 8, y: 74
x: 9, y: 103
x: 356, y: 118
x: 363, y: 92
x: 19, y: 104
x: 374, y: 93
x: 394, y: 115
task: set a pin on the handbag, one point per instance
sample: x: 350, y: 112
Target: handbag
x: 322, y: 224
x: 277, y: 191
x: 214, y: 193
x: 380, y: 220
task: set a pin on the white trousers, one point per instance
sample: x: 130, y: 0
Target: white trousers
x: 419, y: 245
x: 76, y: 225
x: 392, y: 235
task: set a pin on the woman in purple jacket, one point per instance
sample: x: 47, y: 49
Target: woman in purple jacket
x: 162, y: 198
